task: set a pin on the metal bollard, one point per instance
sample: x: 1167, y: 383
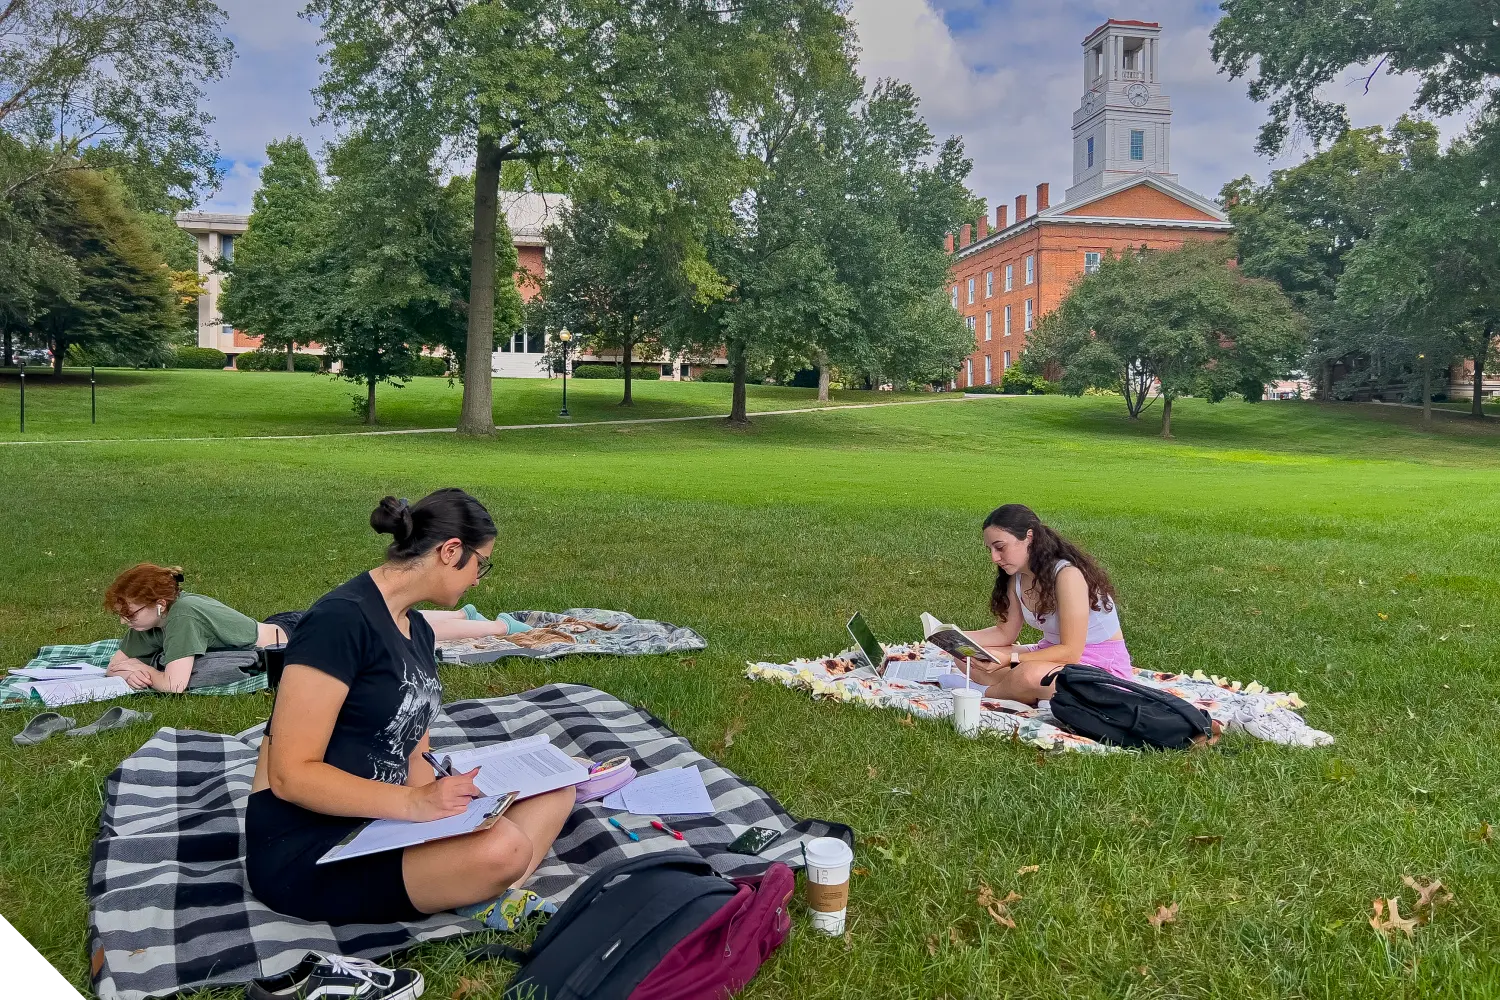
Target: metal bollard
x: 23, y: 397
x: 93, y: 406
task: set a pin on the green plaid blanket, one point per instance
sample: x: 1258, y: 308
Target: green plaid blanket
x: 15, y: 691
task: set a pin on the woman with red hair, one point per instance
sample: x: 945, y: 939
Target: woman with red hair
x: 167, y: 628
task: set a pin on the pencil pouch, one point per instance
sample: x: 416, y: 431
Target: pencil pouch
x: 605, y: 782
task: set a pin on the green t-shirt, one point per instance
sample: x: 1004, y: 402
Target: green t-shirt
x: 194, y: 624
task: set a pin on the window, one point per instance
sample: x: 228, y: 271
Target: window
x: 987, y: 378
x: 969, y: 322
x: 989, y: 324
x: 968, y: 372
x: 226, y: 248
x: 1028, y: 314
x: 1137, y: 144
x: 1007, y: 321
x: 971, y: 291
x: 1091, y: 151
x: 1030, y: 268
x: 955, y: 296
x: 1090, y: 263
x: 1010, y: 276
x: 1005, y: 362
x: 989, y: 283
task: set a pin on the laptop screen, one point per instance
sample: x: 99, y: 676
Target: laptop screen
x: 867, y: 642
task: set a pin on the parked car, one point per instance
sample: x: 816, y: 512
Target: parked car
x: 33, y: 356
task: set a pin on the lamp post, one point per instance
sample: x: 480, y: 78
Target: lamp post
x: 567, y: 340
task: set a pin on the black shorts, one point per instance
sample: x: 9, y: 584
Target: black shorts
x: 283, y: 843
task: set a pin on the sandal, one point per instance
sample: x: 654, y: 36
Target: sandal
x: 41, y: 727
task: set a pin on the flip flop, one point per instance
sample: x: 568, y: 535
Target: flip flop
x: 116, y: 718
x: 42, y: 727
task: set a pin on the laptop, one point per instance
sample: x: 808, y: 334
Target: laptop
x: 893, y: 670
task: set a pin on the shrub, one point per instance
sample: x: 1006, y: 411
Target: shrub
x: 199, y: 357
x: 983, y: 390
x: 1018, y: 383
x: 429, y: 365
x: 724, y: 374
x: 275, y: 361
x: 638, y: 373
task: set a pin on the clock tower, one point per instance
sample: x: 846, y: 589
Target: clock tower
x: 1123, y: 125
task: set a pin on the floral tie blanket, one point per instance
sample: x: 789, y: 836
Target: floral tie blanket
x: 1248, y: 708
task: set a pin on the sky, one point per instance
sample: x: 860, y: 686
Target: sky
x: 1006, y: 76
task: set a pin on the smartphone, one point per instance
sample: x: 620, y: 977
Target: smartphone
x: 753, y: 840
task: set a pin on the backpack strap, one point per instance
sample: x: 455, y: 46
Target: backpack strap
x: 590, y: 973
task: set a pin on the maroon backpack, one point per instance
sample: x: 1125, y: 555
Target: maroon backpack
x: 660, y: 926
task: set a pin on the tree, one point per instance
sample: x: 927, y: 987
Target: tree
x: 123, y: 301
x: 390, y: 265
x: 1168, y: 323
x: 272, y: 277
x: 1294, y: 48
x: 533, y: 81
x: 129, y: 73
x: 1425, y: 286
x: 1300, y: 227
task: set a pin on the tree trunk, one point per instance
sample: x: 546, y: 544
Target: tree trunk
x: 370, y: 402
x: 823, y: 376
x: 628, y: 349
x: 59, y: 348
x: 290, y: 348
x: 1480, y: 353
x: 737, y: 415
x: 477, y: 415
x: 1426, y: 391
x: 1166, y: 417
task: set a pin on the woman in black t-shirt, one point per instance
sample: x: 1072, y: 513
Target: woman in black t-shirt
x: 345, y: 740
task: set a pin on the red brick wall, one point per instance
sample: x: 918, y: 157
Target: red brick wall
x: 1141, y: 202
x: 532, y: 267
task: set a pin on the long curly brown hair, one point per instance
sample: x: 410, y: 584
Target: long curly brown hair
x: 1047, y: 548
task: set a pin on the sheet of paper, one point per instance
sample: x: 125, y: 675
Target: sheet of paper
x: 62, y: 671
x: 616, y: 800
x: 390, y: 834
x: 678, y: 791
x: 55, y: 694
x: 528, y: 766
x: 916, y: 670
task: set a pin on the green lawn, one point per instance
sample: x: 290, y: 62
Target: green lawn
x: 226, y: 403
x: 1335, y: 550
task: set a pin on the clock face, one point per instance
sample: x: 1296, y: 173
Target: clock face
x: 1138, y: 94
x: 1091, y: 100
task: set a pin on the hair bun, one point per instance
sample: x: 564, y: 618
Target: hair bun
x: 177, y: 573
x: 392, y: 517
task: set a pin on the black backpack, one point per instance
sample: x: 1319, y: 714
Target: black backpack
x: 660, y: 926
x: 1095, y: 703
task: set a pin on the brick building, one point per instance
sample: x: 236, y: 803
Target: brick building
x: 1009, y: 272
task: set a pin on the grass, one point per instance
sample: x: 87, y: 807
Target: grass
x: 221, y: 404
x: 1338, y: 551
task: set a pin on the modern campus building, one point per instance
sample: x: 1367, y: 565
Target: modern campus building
x: 1009, y: 273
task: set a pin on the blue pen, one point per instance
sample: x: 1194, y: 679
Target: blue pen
x: 629, y: 833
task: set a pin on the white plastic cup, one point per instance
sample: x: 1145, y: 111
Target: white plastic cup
x: 966, y: 711
x: 828, y: 863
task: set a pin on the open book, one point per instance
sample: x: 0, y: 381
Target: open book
x: 528, y: 766
x: 952, y: 639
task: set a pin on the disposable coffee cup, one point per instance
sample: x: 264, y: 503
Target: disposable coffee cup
x: 828, y: 861
x: 966, y: 711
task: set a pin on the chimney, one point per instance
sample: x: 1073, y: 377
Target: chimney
x: 1020, y: 207
x: 984, y: 227
x: 964, y: 235
x: 1002, y: 214
x: 1042, y: 191
x: 948, y: 242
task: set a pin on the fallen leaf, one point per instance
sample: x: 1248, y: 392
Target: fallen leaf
x: 907, y: 720
x: 1029, y: 870
x: 688, y: 661
x: 954, y: 937
x: 1205, y: 839
x: 861, y: 871
x: 849, y: 940
x: 1382, y: 614
x: 1395, y: 922
x: 465, y: 987
x: 1163, y: 915
x: 1429, y: 897
x: 874, y: 771
x: 998, y: 909
x: 1143, y: 970
x: 736, y: 726
x: 1484, y: 834
x: 932, y: 944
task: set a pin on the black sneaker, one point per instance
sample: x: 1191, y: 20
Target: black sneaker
x: 328, y: 977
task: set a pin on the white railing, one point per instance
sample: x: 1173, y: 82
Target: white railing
x: 1132, y: 74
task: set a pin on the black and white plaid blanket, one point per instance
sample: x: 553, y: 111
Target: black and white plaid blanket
x: 169, y: 907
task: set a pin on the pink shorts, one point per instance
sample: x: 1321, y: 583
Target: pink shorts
x: 1111, y: 656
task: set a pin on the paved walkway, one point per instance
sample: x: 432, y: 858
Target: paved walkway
x: 944, y: 398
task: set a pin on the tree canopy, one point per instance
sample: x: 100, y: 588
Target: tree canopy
x: 1166, y: 323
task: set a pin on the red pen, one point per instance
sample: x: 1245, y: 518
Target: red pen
x: 664, y: 828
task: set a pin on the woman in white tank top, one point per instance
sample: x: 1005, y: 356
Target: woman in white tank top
x: 1047, y: 582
